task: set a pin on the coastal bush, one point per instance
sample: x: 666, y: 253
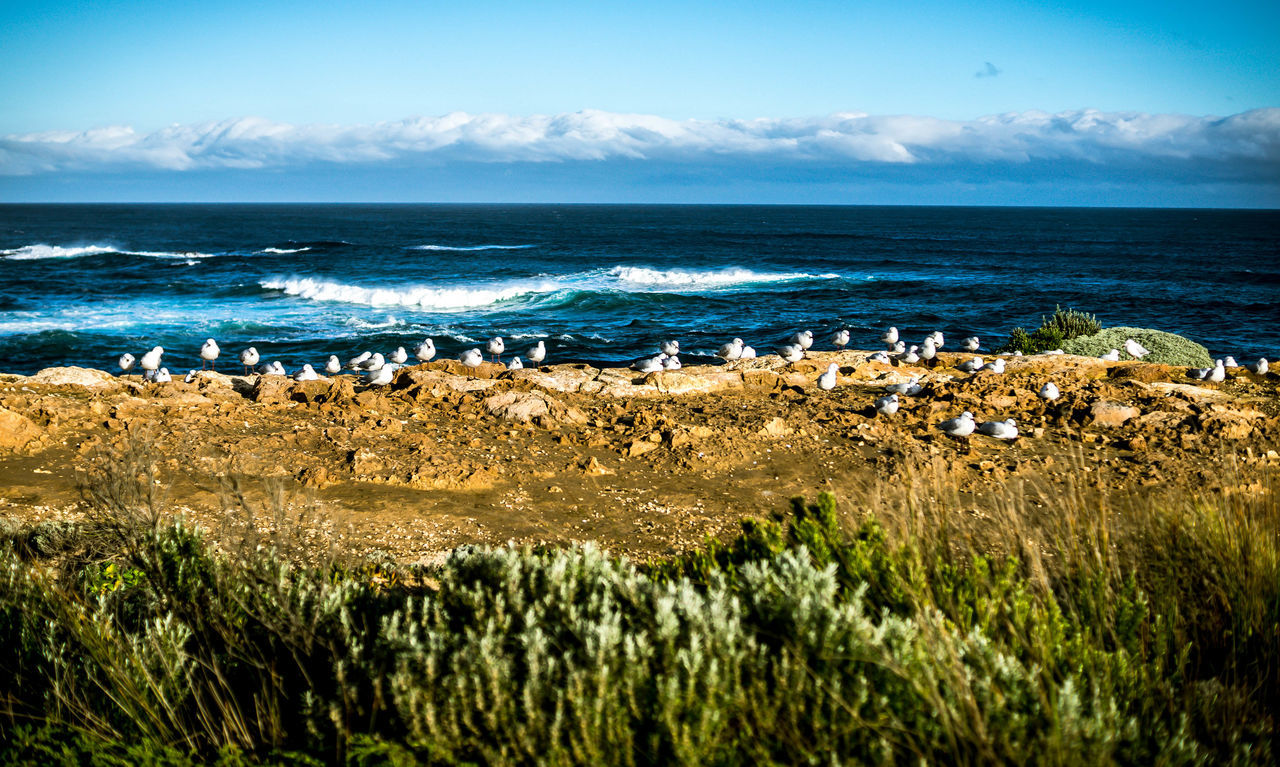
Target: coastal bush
x: 885, y: 635
x: 1062, y: 325
x: 1165, y: 348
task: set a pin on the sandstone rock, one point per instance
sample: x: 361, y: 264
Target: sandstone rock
x: 528, y: 407
x: 271, y: 389
x: 1110, y: 414
x: 16, y: 430
x: 75, y: 376
x: 776, y: 427
x: 639, y: 447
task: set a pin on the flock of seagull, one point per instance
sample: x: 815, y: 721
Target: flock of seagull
x: 378, y: 370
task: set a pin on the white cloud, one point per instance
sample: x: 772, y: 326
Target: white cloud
x: 1244, y: 146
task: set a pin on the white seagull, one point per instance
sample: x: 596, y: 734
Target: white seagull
x: 650, y: 364
x: 209, y: 353
x: 995, y: 366
x: 380, y: 377
x: 827, y: 381
x: 151, y: 360
x: 910, y: 356
x: 890, y: 337
x: 333, y: 366
x: 125, y: 362
x: 496, y: 347
x: 910, y: 387
x: 355, y: 362
x: 1111, y: 356
x: 748, y: 353
x: 887, y: 405
x: 959, y: 427
x: 375, y: 362
x: 1135, y: 349
x: 970, y: 366
x: 537, y: 353
x: 1049, y: 391
x: 791, y: 353
x: 425, y: 351
x: 802, y: 338
x: 731, y: 351
x: 880, y: 357
x: 938, y: 340
x: 1218, y: 374
x: 249, y: 358
x: 1260, y: 367
x: 671, y: 363
x: 515, y: 364
x: 274, y: 369
x: 471, y: 358
x: 399, y: 356
x: 191, y: 377
x: 840, y: 338
x: 669, y: 348
x: 1229, y: 362
x: 161, y: 376
x: 307, y: 373
x: 970, y: 344
x: 1006, y: 429
x: 898, y: 347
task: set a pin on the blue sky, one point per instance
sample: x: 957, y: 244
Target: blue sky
x: 208, y: 100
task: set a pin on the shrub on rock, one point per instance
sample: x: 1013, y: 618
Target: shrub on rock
x: 1165, y: 348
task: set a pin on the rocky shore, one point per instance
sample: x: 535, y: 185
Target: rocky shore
x: 645, y: 464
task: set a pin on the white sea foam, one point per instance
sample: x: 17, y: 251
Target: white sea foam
x: 283, y: 251
x: 708, y: 278
x: 428, y: 298
x: 473, y: 247
x: 41, y: 251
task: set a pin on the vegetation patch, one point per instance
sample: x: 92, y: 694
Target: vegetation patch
x: 1062, y: 325
x: 1165, y: 348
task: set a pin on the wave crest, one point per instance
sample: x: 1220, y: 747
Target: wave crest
x: 710, y: 278
x: 41, y: 251
x: 472, y: 247
x: 424, y: 297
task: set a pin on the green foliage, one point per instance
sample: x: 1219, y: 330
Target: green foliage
x: 1164, y: 348
x: 1061, y: 326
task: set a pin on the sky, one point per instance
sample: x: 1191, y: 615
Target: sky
x: 1091, y: 103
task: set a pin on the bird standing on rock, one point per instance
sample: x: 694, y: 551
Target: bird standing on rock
x: 748, y: 353
x: 355, y: 362
x: 249, y: 358
x: 910, y: 387
x: 890, y: 337
x: 374, y: 362
x: 125, y: 362
x: 827, y: 381
x: 970, y: 366
x: 472, y: 358
x: 791, y: 353
x: 650, y: 364
x: 1260, y: 367
x: 381, y: 376
x: 1006, y: 429
x: 887, y: 405
x: 803, y: 338
x: 1218, y: 374
x: 333, y: 366
x: 426, y: 351
x: 1135, y: 349
x: 731, y: 351
x: 970, y: 344
x: 1049, y: 391
x: 537, y: 353
x: 669, y: 348
x: 151, y: 360
x: 307, y: 373
x: 209, y: 353
x: 399, y: 356
x: 840, y: 339
x: 515, y: 364
x: 496, y: 347
x: 1111, y: 356
x: 910, y: 356
x: 959, y: 427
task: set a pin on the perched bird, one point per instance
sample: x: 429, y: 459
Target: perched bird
x: 887, y: 405
x: 1111, y: 356
x: 496, y: 347
x: 970, y: 366
x: 910, y: 356
x: 929, y: 351
x: 909, y: 388
x: 374, y: 362
x: 425, y: 351
x: 1006, y: 429
x: 802, y: 338
x: 938, y: 340
x: 249, y: 358
x: 399, y: 356
x: 959, y: 427
x: 1049, y: 391
x: 1260, y: 367
x: 970, y: 344
x: 995, y: 366
x: 161, y: 376
x: 827, y: 381
x: 537, y: 353
x: 669, y: 348
x: 191, y: 377
x: 355, y: 362
x: 274, y: 369
x: 1218, y: 374
x: 125, y: 362
x: 515, y: 364
x: 380, y: 376
x: 472, y: 358
x: 1135, y: 349
x: 1229, y: 362
x: 879, y: 357
x: 307, y: 373
x: 748, y: 353
x: 840, y: 338
x: 649, y: 364
x: 151, y: 360
x: 333, y: 366
x: 731, y: 351
x: 671, y: 363
x: 898, y: 347
x: 890, y: 337
x: 209, y: 353
x: 791, y: 353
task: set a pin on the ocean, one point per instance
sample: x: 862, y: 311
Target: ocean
x: 80, y: 284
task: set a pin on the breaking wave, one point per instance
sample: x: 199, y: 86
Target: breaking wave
x: 473, y: 247
x: 40, y: 251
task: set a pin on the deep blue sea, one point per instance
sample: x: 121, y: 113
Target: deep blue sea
x: 80, y: 284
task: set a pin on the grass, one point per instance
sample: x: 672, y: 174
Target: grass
x: 892, y: 626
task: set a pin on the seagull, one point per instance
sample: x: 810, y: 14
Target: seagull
x: 161, y: 376
x: 425, y: 351
x: 1135, y: 349
x: 671, y: 363
x: 381, y: 376
x: 887, y: 405
x: 970, y: 344
x: 496, y: 347
x: 938, y: 340
x: 209, y: 353
x: 995, y: 366
x: 748, y: 353
x: 192, y: 375
x: 791, y: 353
x: 1006, y: 429
x: 890, y: 337
x: 649, y: 364
x: 970, y: 366
x: 125, y: 362
x: 1260, y: 367
x: 307, y: 373
x: 375, y: 362
x: 731, y: 351
x: 515, y: 364
x: 274, y: 369
x: 333, y: 367
x: 929, y: 351
x: 355, y: 362
x: 910, y: 387
x: 399, y: 356
x: 151, y: 360
x: 880, y: 357
x: 840, y: 338
x: 959, y: 427
x: 472, y: 358
x: 827, y: 381
x: 1218, y: 374
x: 669, y: 348
x: 898, y: 347
x: 537, y: 353
x: 1229, y: 362
x: 1111, y: 356
x: 1049, y: 391
x: 249, y: 358
x: 911, y: 356
x: 802, y: 338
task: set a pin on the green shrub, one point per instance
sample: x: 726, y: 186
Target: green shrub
x: 1062, y: 325
x: 1165, y: 348
x: 1070, y: 323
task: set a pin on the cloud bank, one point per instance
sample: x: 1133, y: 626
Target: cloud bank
x: 1125, y: 148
